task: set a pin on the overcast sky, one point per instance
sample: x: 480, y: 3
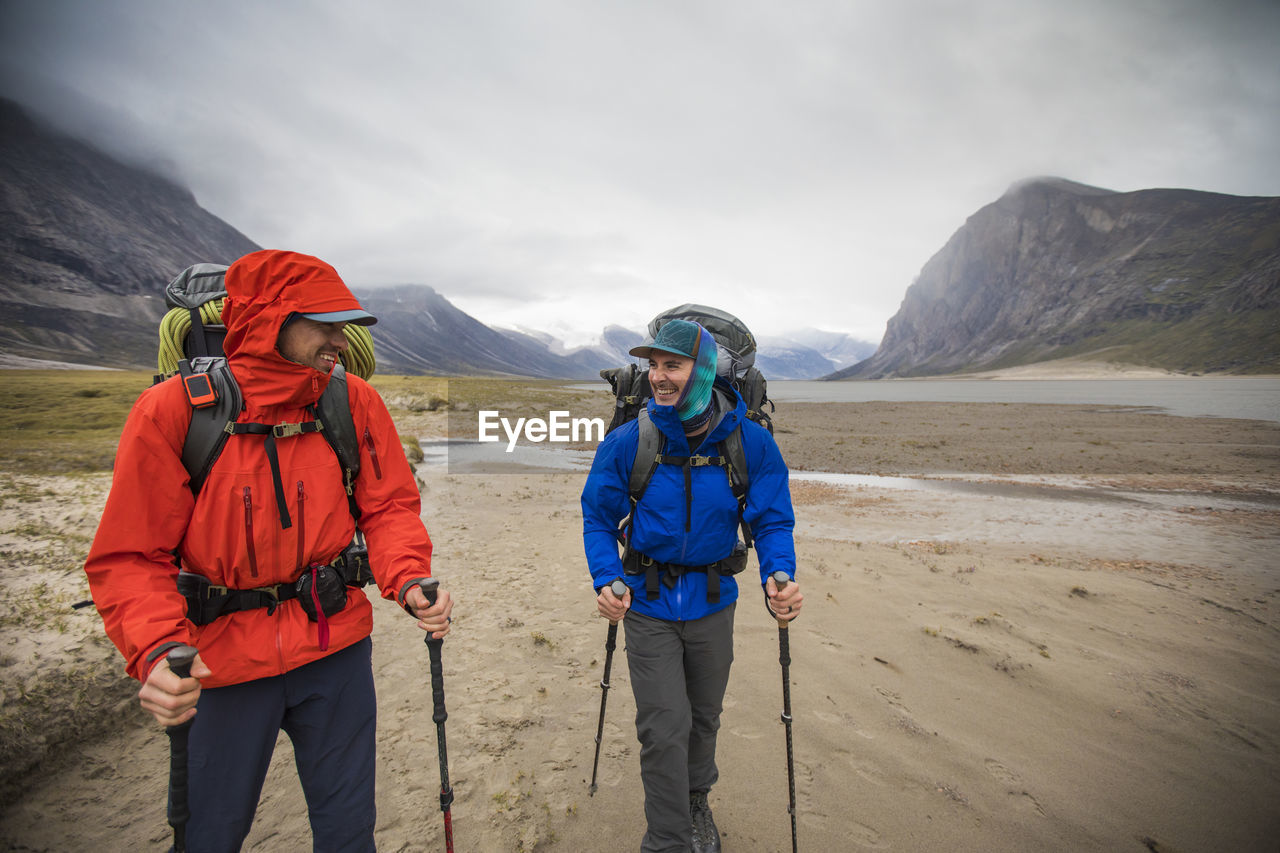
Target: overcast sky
x: 564, y: 165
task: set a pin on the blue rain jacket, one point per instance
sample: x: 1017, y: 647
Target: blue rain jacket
x: 660, y: 521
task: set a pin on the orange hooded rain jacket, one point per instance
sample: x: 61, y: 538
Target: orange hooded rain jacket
x: 231, y: 533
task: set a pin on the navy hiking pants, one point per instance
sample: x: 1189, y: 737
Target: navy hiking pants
x: 329, y: 711
x: 679, y: 672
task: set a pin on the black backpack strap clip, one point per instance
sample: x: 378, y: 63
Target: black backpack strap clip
x: 272, y: 432
x: 283, y: 430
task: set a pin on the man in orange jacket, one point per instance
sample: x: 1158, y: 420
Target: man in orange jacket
x: 264, y: 520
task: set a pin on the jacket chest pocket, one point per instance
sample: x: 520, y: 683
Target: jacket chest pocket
x: 237, y: 525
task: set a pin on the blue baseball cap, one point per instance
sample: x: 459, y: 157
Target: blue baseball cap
x: 676, y: 336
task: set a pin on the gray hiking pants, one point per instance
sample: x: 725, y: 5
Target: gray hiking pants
x: 679, y: 672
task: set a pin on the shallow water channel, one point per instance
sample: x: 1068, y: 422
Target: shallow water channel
x: 1213, y: 530
x: 1207, y: 529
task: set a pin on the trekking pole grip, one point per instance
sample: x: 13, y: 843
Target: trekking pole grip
x: 179, y: 812
x: 780, y: 579
x: 619, y: 590
x: 180, y: 660
x: 429, y: 587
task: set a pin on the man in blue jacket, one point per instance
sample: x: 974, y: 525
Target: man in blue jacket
x: 680, y: 554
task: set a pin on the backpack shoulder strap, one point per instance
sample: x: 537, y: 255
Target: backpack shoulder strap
x: 208, y: 431
x: 210, y: 426
x: 333, y: 411
x: 647, y: 451
x: 739, y: 476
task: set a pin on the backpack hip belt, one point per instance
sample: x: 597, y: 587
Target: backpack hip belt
x: 208, y: 601
x: 655, y: 572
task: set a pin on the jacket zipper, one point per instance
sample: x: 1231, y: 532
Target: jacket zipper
x: 302, y: 524
x: 373, y: 454
x: 688, y: 512
x: 248, y: 530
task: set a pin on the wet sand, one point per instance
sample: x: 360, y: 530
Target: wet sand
x: 1048, y: 628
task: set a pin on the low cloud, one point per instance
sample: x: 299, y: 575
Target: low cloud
x: 567, y: 162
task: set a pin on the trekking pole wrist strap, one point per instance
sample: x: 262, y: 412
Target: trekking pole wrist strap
x: 161, y: 650
x: 404, y: 594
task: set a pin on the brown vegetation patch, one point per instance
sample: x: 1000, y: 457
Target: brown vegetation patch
x: 1150, y: 567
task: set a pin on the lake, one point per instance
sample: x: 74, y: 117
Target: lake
x: 1254, y: 398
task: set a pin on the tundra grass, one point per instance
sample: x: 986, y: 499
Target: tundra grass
x: 69, y: 421
x: 64, y: 421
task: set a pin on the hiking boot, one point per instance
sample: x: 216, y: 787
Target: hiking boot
x: 706, y: 839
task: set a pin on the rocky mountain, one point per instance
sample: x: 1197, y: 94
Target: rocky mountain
x: 809, y: 353
x: 419, y: 331
x: 1178, y: 279
x: 591, y: 359
x: 86, y: 246
x: 806, y: 354
x: 783, y: 358
x: 842, y: 349
x: 618, y: 341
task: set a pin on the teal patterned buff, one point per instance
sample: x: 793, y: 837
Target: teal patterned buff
x: 695, y: 401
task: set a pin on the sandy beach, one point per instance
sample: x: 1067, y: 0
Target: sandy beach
x: 1027, y: 628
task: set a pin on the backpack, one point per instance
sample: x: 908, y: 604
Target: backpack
x: 191, y: 336
x: 735, y: 363
x: 735, y: 356
x: 193, y: 326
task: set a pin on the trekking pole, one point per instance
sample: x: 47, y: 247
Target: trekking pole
x: 619, y: 589
x: 179, y: 813
x: 784, y: 657
x: 428, y: 587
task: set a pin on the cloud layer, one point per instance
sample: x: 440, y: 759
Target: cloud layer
x: 563, y: 165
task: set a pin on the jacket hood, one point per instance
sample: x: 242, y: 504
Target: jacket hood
x: 730, y: 412
x: 264, y: 289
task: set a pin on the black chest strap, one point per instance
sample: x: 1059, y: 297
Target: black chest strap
x: 273, y: 432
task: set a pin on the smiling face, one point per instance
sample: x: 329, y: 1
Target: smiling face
x: 312, y: 344
x: 668, y: 374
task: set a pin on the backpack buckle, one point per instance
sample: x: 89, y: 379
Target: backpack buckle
x: 286, y: 430
x: 272, y: 592
x: 703, y: 461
